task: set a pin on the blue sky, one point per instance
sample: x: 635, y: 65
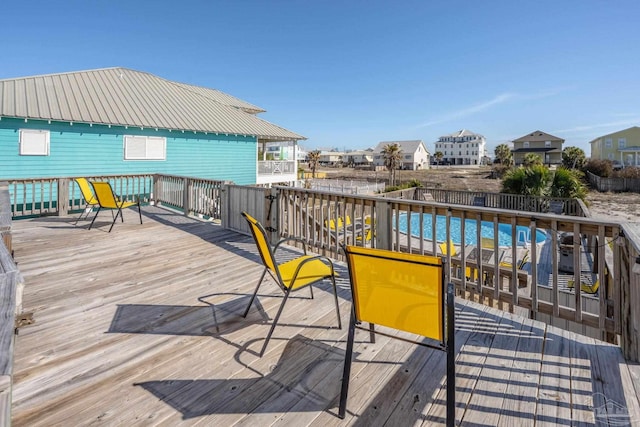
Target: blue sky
x: 349, y: 74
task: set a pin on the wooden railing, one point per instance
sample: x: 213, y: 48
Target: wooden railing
x: 190, y: 195
x: 540, y: 289
x: 61, y: 195
x: 573, y: 207
x: 10, y: 297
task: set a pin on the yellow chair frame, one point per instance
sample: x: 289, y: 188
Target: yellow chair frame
x: 88, y: 196
x: 291, y: 275
x: 107, y: 200
x: 404, y: 292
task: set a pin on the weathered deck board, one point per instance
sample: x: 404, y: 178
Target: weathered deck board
x: 143, y: 326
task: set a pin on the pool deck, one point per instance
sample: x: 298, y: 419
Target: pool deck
x: 143, y: 326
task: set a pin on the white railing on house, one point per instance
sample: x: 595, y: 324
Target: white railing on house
x: 276, y: 167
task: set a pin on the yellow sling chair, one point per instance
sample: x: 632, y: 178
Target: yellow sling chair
x: 87, y: 194
x: 107, y: 200
x: 404, y: 292
x: 290, y: 275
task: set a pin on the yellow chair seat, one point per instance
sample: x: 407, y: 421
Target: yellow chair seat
x: 585, y: 287
x: 311, y: 272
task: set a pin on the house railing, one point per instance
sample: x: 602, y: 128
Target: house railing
x: 10, y: 304
x: 193, y: 196
x: 573, y: 207
x: 61, y: 195
x: 604, y: 251
x: 276, y: 167
x: 540, y: 289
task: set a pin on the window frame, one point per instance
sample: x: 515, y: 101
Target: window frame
x: 128, y: 155
x: 26, y: 152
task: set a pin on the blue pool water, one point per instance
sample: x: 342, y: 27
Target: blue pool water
x: 523, y: 234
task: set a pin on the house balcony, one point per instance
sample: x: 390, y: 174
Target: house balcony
x: 144, y: 325
x: 275, y: 171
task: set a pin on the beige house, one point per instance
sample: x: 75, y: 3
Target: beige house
x: 622, y: 146
x: 547, y: 147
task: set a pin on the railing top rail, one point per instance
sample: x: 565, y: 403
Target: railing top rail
x: 52, y: 178
x: 189, y: 177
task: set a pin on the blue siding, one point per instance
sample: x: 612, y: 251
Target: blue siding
x: 80, y: 150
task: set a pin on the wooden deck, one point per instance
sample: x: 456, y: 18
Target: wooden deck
x: 143, y: 326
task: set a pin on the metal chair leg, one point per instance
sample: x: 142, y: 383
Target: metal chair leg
x: 346, y: 373
x: 335, y: 296
x: 275, y: 322
x: 94, y: 218
x: 255, y: 293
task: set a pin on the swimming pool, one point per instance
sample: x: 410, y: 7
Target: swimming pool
x: 523, y: 234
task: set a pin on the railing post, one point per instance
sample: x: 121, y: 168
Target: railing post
x: 186, y: 195
x: 384, y: 224
x: 630, y: 297
x: 157, y: 190
x: 63, y: 197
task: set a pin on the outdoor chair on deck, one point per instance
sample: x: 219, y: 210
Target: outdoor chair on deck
x: 405, y: 292
x: 88, y: 196
x: 290, y: 275
x: 108, y: 200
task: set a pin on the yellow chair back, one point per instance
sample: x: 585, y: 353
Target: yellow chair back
x: 448, y: 248
x: 105, y: 196
x: 398, y: 290
x: 260, y: 236
x: 85, y: 189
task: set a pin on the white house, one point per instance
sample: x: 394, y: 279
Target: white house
x: 462, y: 148
x: 414, y: 154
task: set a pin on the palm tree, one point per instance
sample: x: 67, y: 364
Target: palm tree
x: 528, y: 181
x: 573, y: 158
x: 438, y: 155
x: 313, y: 158
x: 568, y: 183
x: 503, y: 155
x: 531, y: 159
x: 392, y: 155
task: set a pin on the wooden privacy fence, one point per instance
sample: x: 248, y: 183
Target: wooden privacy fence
x: 614, y: 184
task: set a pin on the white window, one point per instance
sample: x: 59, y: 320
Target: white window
x: 622, y: 142
x: 145, y: 148
x: 547, y: 144
x: 525, y: 144
x: 34, y: 142
x: 607, y: 142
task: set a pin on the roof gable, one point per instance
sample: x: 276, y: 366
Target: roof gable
x: 124, y: 97
x: 538, y: 136
x: 407, y: 147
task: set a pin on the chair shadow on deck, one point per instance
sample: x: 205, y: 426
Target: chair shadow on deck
x: 303, y: 365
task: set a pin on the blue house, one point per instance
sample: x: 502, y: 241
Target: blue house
x: 121, y: 121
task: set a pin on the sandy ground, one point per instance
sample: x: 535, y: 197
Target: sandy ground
x: 616, y: 207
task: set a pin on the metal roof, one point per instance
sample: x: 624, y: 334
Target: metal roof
x: 124, y: 97
x: 461, y: 133
x: 538, y: 136
x: 406, y: 146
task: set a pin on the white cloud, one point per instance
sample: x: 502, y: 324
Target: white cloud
x: 500, y: 99
x: 630, y: 122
